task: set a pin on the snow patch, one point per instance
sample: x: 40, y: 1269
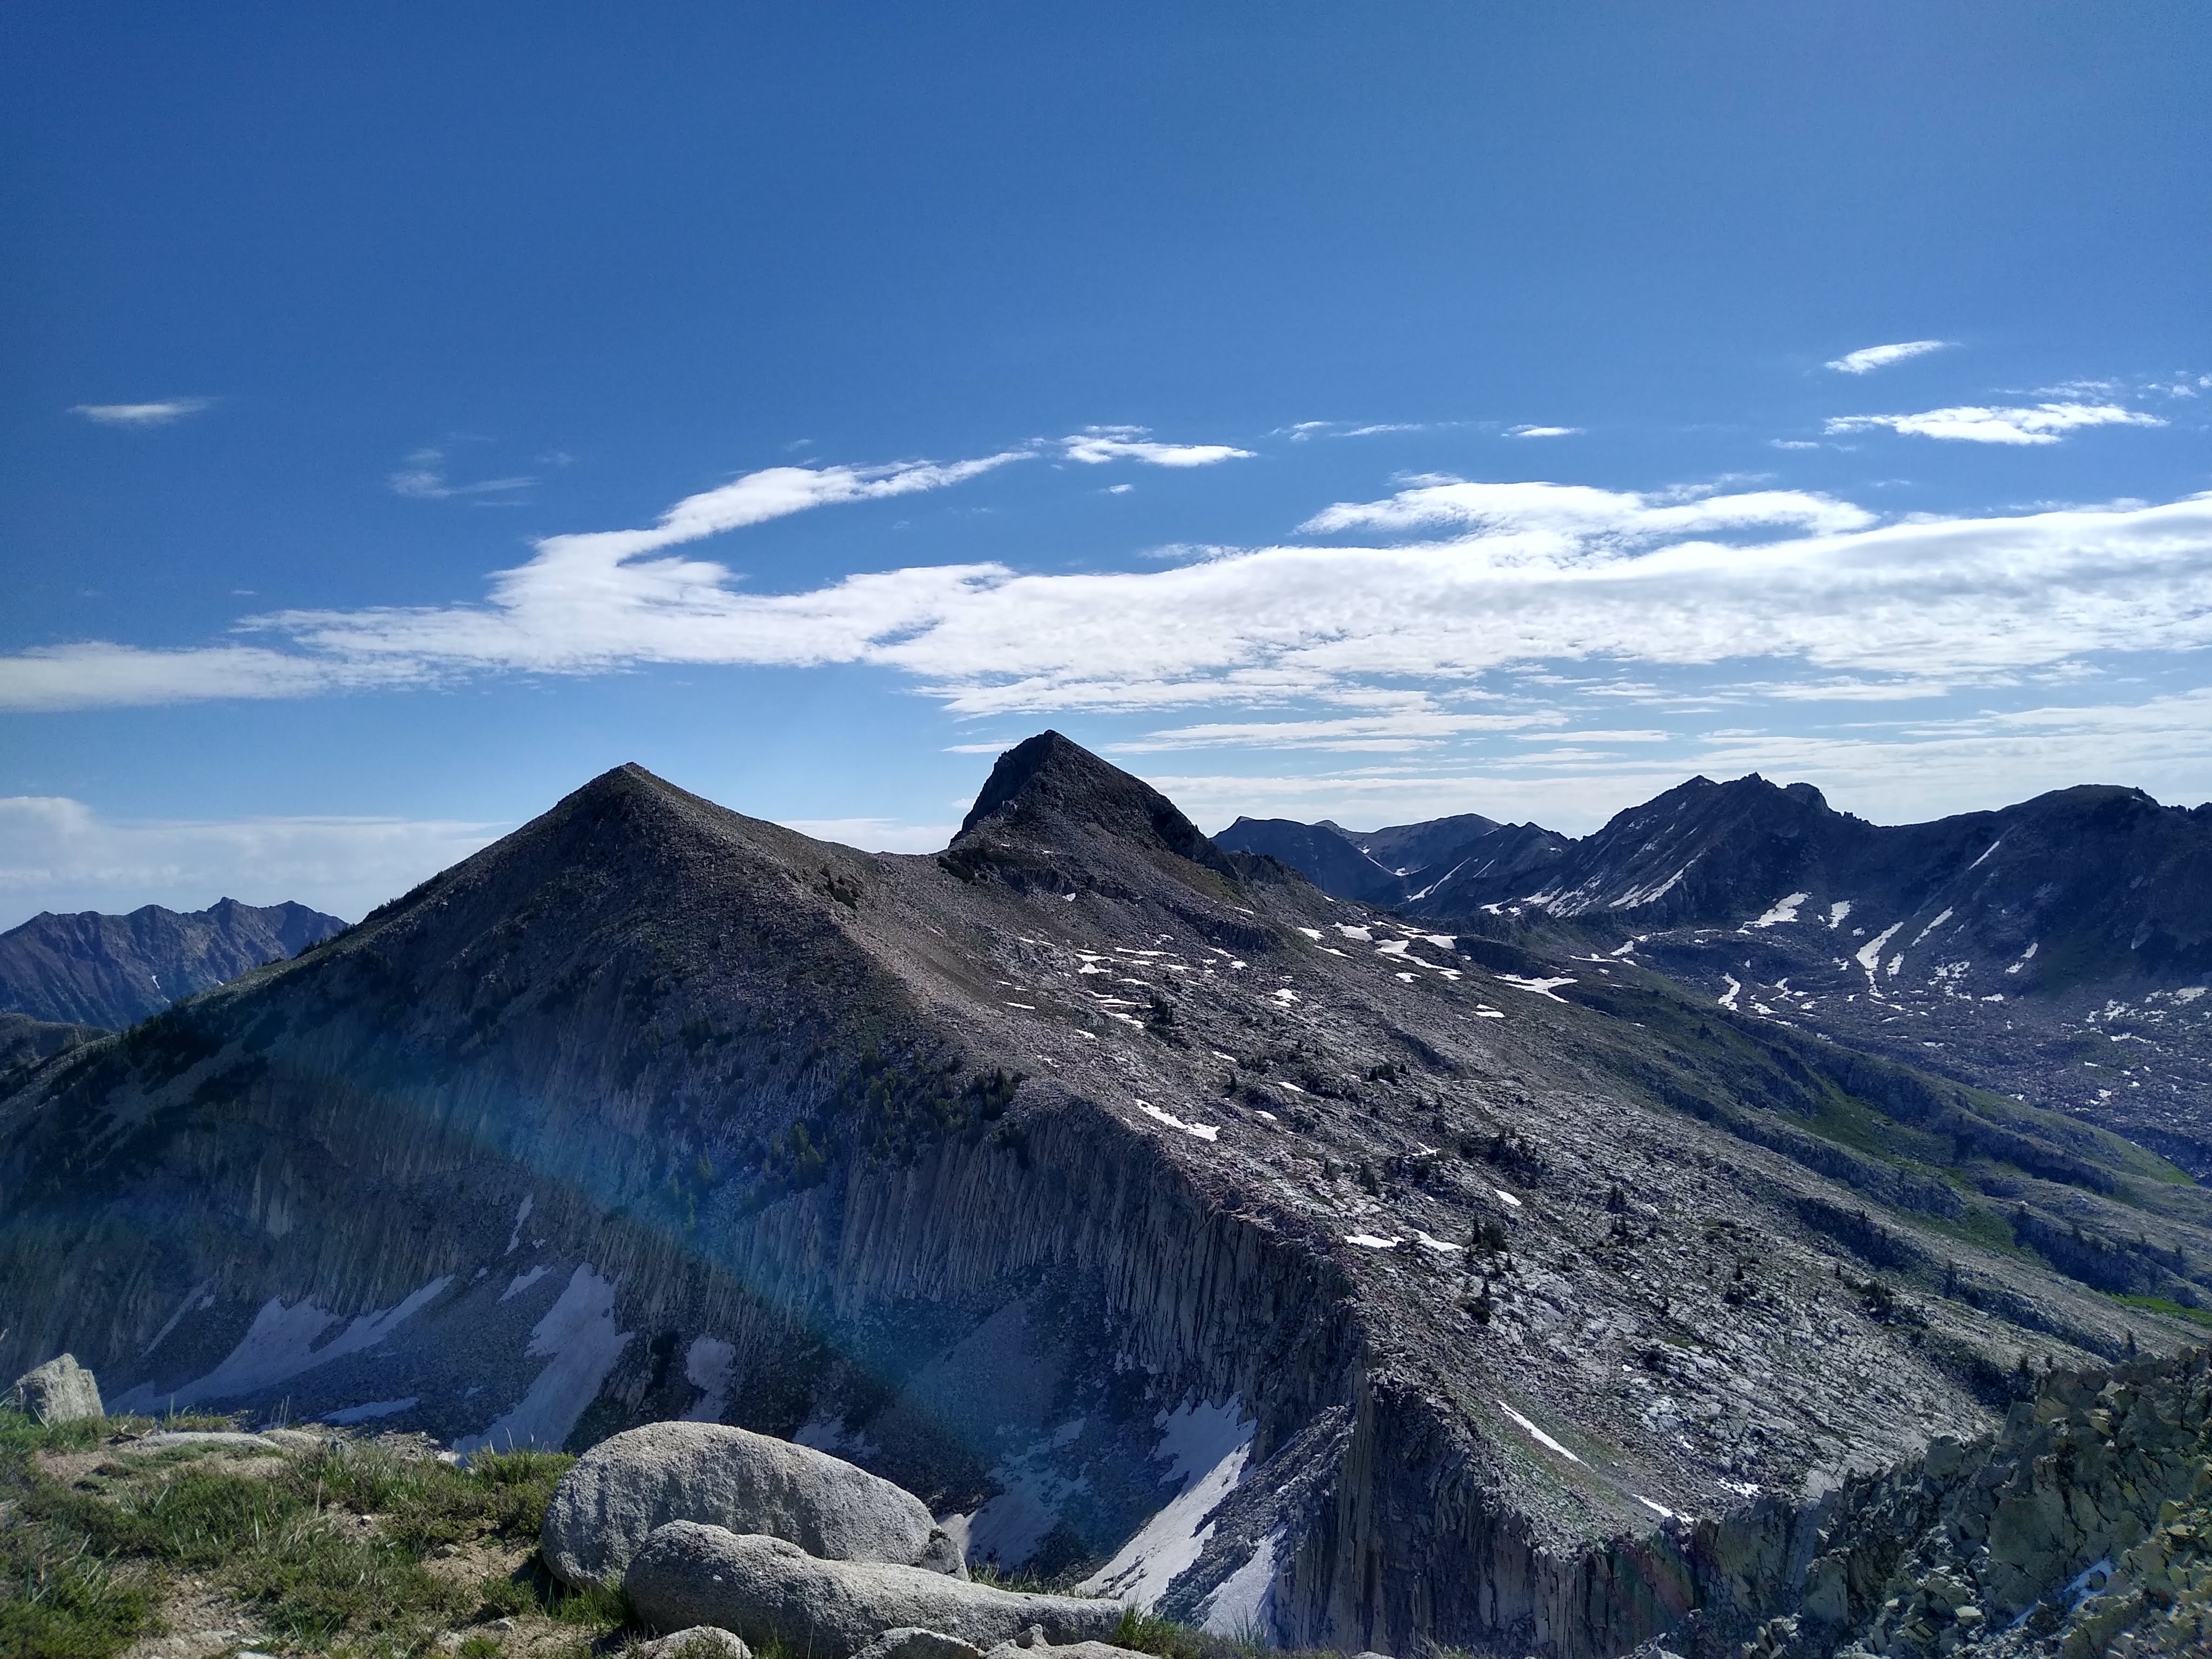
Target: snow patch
x: 1245, y: 1600
x: 707, y: 1363
x: 1837, y: 912
x: 1208, y: 1445
x: 1868, y: 955
x: 1929, y: 929
x: 1506, y: 1198
x: 1542, y: 987
x: 520, y: 1215
x: 578, y: 1336
x: 1537, y: 1434
x: 522, y: 1282
x: 1372, y: 1242
x: 1202, y: 1131
x: 1733, y: 991
x: 1783, y: 910
x: 280, y: 1345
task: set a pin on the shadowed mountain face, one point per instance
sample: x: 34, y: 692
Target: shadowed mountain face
x: 93, y: 969
x: 1162, y: 1223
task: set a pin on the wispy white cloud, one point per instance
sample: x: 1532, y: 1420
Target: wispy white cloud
x: 154, y: 414
x: 1413, y: 722
x: 1520, y: 521
x: 1542, y: 431
x: 1868, y: 358
x: 1896, y: 774
x: 60, y: 854
x: 423, y: 479
x: 1097, y: 445
x: 1508, y: 578
x: 2042, y: 423
x: 882, y: 835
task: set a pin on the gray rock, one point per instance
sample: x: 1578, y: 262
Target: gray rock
x: 201, y: 1439
x: 59, y: 1391
x: 624, y: 1487
x: 748, y: 1483
x: 908, y: 1642
x: 700, y: 1642
x: 1029, y: 1645
x: 769, y: 1591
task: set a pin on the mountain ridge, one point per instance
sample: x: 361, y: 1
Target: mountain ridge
x: 90, y: 969
x: 1007, y: 1170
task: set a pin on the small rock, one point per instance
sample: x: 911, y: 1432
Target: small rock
x: 1020, y: 1649
x: 204, y: 1439
x: 911, y: 1642
x: 769, y: 1591
x: 59, y: 1391
x: 699, y: 1642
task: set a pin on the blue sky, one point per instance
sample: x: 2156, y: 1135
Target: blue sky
x: 1360, y: 412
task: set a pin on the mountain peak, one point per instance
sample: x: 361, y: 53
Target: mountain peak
x: 1049, y: 786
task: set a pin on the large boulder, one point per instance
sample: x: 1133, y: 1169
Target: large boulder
x: 624, y: 1487
x: 59, y: 1391
x: 771, y: 1592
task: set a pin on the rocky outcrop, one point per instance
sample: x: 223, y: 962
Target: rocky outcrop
x: 2082, y: 1526
x: 625, y: 1487
x: 771, y: 1591
x: 59, y: 1391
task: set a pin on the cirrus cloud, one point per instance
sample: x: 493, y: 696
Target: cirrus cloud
x: 1497, y: 578
x: 1867, y: 359
x: 2040, y: 423
x: 1095, y: 446
x: 154, y: 414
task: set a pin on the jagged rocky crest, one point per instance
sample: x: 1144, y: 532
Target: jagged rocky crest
x: 1162, y: 1224
x: 92, y: 970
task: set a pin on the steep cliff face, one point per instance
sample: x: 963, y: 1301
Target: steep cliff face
x: 113, y: 971
x: 1157, y: 1219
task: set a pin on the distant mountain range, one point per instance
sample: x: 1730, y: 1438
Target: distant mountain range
x: 113, y: 971
x: 2059, y: 950
x: 1290, y: 1264
x: 1445, y: 866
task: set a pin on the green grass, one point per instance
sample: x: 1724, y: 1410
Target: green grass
x: 78, y: 1568
x: 2158, y: 1304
